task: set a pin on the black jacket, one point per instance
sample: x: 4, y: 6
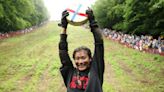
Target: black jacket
x: 96, y: 70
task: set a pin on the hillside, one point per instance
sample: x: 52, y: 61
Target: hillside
x: 30, y: 63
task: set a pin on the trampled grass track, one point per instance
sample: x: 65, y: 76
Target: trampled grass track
x: 30, y: 63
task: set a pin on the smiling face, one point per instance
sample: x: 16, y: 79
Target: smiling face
x: 82, y: 60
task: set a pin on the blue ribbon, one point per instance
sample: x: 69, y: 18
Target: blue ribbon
x: 76, y: 12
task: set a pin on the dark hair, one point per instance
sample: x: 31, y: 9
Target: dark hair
x: 82, y: 48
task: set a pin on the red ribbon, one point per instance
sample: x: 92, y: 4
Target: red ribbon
x: 81, y: 14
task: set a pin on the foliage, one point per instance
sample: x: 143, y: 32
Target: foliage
x: 21, y: 14
x: 141, y: 17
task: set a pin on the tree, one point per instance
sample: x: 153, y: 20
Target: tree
x: 21, y: 14
x: 139, y: 17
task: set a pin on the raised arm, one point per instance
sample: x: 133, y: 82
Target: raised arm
x: 63, y: 49
x: 98, y: 57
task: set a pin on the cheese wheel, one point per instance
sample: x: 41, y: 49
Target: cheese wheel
x: 77, y: 15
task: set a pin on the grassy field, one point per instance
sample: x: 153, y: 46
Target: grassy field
x: 30, y: 63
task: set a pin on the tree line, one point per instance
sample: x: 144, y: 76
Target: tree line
x: 140, y: 17
x: 21, y: 14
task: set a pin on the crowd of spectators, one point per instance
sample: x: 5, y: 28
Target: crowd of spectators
x: 14, y: 33
x: 142, y: 43
x: 20, y: 32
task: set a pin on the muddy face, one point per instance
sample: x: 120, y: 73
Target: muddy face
x: 82, y: 60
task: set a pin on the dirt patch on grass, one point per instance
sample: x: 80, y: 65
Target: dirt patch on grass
x: 22, y: 81
x: 141, y: 78
x: 109, y: 74
x: 162, y: 72
x: 45, y: 79
x: 30, y: 74
x: 110, y: 77
x: 144, y: 69
x: 62, y: 88
x: 126, y: 68
x: 26, y: 78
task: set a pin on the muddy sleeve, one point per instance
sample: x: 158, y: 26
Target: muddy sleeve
x: 98, y: 56
x: 64, y: 58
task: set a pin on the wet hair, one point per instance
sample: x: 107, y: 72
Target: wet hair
x: 80, y: 49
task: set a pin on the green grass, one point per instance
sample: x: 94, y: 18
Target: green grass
x: 136, y: 71
x: 30, y: 63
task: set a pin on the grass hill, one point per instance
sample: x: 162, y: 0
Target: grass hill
x: 30, y: 63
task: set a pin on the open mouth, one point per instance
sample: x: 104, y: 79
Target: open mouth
x: 82, y: 64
